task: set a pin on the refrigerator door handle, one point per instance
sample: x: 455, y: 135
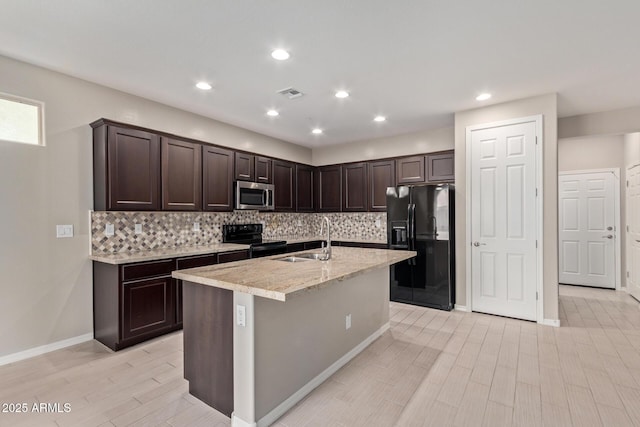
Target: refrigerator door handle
x: 409, y: 223
x: 412, y: 227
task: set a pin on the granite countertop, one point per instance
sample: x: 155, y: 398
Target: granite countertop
x: 165, y: 253
x: 270, y: 278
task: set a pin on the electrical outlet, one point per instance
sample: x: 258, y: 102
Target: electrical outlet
x: 64, y: 231
x: 241, y: 319
x: 347, y: 322
x: 109, y: 230
x: 138, y: 229
x: 378, y: 222
x: 196, y: 226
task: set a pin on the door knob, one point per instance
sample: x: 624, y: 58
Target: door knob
x: 476, y: 244
x: 608, y: 236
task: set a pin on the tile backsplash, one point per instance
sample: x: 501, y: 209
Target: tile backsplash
x: 174, y: 229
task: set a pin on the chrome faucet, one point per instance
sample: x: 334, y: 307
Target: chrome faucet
x: 326, y: 245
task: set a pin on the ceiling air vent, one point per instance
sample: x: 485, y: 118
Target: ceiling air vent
x: 291, y: 93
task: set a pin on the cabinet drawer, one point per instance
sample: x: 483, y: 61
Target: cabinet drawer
x: 312, y: 245
x: 147, y: 269
x: 232, y: 256
x: 295, y: 247
x: 196, y: 261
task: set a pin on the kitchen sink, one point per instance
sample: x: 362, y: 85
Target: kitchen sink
x: 308, y: 256
x: 312, y: 255
x: 292, y: 259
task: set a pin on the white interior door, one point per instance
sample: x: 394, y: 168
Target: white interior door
x: 503, y: 220
x: 586, y: 225
x: 633, y: 235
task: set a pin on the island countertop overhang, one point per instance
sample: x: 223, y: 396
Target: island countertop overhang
x: 274, y: 279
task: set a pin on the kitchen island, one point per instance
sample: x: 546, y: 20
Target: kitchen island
x: 260, y: 334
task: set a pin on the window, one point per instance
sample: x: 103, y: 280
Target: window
x: 21, y: 120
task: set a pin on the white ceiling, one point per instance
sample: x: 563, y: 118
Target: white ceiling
x: 415, y: 61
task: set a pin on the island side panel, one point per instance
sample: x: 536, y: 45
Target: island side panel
x: 244, y: 413
x: 208, y: 344
x: 297, y: 340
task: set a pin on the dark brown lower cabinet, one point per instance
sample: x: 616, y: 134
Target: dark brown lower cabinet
x: 366, y: 245
x: 148, y: 307
x: 295, y: 247
x: 312, y: 245
x: 132, y: 302
x: 189, y: 262
x: 179, y: 303
x: 135, y: 302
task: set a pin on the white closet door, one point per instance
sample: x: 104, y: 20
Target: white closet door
x: 587, y: 234
x: 503, y: 220
x: 633, y: 236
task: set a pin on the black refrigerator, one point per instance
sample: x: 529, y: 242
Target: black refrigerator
x: 421, y: 218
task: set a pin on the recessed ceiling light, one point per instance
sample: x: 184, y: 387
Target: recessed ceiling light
x: 280, y: 54
x: 379, y: 119
x: 316, y: 131
x: 483, y: 97
x: 272, y: 113
x: 203, y: 86
x: 342, y: 94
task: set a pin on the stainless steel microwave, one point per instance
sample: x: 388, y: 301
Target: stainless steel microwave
x: 253, y: 195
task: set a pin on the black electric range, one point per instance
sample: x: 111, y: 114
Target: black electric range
x: 251, y: 234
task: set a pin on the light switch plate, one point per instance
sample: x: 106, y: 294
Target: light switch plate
x: 109, y: 230
x: 64, y: 231
x: 347, y: 321
x: 241, y: 316
x: 138, y: 229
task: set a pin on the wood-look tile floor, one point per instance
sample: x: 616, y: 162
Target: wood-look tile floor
x: 432, y: 368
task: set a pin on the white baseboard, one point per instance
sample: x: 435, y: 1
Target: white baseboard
x: 461, y: 308
x: 279, y: 410
x: 550, y: 322
x: 37, y: 351
x: 239, y: 422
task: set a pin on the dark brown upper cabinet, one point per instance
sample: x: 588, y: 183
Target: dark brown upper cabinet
x: 217, y: 179
x: 330, y: 188
x: 354, y: 187
x: 126, y: 168
x: 305, y: 188
x: 245, y: 167
x: 440, y: 167
x: 284, y: 182
x: 382, y: 174
x: 263, y: 170
x: 410, y: 170
x: 181, y: 175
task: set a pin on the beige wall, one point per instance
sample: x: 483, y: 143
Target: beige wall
x: 613, y: 122
x: 592, y: 152
x: 547, y: 106
x: 47, y: 282
x: 631, y: 149
x: 598, y: 152
x: 402, y: 145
